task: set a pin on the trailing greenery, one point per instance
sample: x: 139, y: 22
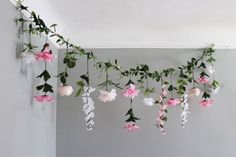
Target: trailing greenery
x: 185, y: 74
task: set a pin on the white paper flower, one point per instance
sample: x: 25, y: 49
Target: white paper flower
x: 28, y: 57
x: 106, y: 96
x: 194, y: 91
x: 211, y: 70
x: 148, y: 101
x: 185, y: 110
x: 65, y: 90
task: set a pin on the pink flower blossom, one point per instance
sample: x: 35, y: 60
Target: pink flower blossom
x: 173, y: 102
x: 44, y: 56
x: 203, y: 80
x: 131, y: 127
x: 206, y: 103
x: 131, y: 92
x: 194, y: 91
x: 164, y: 93
x: 44, y: 98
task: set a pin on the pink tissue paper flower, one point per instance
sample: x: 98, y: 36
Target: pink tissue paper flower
x: 206, y: 103
x: 131, y: 92
x: 131, y: 127
x: 194, y: 91
x: 44, y: 56
x: 173, y: 102
x: 203, y: 80
x: 44, y: 98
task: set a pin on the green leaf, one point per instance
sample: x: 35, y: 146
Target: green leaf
x: 45, y: 74
x: 85, y: 77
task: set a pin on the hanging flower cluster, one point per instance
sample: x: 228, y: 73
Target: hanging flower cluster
x: 185, y: 109
x: 45, y: 56
x: 199, y: 72
x: 88, y: 107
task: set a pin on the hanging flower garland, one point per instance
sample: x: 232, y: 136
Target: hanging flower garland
x: 186, y: 75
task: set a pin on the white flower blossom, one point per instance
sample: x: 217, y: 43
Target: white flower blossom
x: 211, y: 70
x: 28, y: 57
x: 148, y: 101
x: 106, y: 96
x: 65, y: 90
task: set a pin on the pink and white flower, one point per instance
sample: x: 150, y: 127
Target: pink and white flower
x: 173, y: 102
x: 148, y: 101
x: 106, y: 96
x: 44, y: 98
x: 131, y: 127
x: 131, y: 92
x: 203, y: 80
x: 194, y: 91
x: 65, y: 90
x: 46, y: 56
x: 206, y: 103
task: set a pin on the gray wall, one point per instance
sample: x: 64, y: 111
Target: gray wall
x: 27, y: 129
x: 209, y: 132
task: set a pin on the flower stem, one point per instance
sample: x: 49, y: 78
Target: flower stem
x: 106, y: 80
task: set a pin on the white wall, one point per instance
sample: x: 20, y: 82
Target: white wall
x: 27, y: 128
x: 209, y: 133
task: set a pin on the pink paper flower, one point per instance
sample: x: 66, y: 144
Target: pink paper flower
x: 44, y: 56
x: 203, y: 80
x: 131, y: 92
x: 44, y: 98
x: 173, y: 102
x: 131, y: 127
x: 206, y: 103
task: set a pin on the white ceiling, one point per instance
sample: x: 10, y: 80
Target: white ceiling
x: 142, y: 23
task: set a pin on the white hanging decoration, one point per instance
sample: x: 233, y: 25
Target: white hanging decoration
x: 185, y: 109
x: 88, y: 107
x: 148, y: 101
x: 28, y: 57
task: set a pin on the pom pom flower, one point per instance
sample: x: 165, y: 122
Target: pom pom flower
x: 194, y: 91
x: 44, y: 98
x: 131, y: 92
x: 65, y: 90
x: 173, y: 102
x: 148, y: 101
x: 106, y: 96
x: 206, y: 103
x: 203, y: 80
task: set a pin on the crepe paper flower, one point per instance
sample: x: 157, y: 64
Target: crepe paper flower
x: 65, y: 90
x: 106, y: 96
x: 44, y: 56
x: 131, y: 92
x: 131, y: 127
x: 148, y: 101
x: 185, y: 110
x: 44, y: 98
x: 88, y: 107
x: 194, y: 92
x: 28, y: 57
x: 211, y: 70
x: 203, y: 80
x: 206, y: 103
x: 173, y: 102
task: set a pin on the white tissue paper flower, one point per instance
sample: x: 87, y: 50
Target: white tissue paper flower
x: 211, y: 70
x: 88, y: 107
x: 65, y: 90
x: 148, y: 101
x: 106, y: 96
x: 28, y: 57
